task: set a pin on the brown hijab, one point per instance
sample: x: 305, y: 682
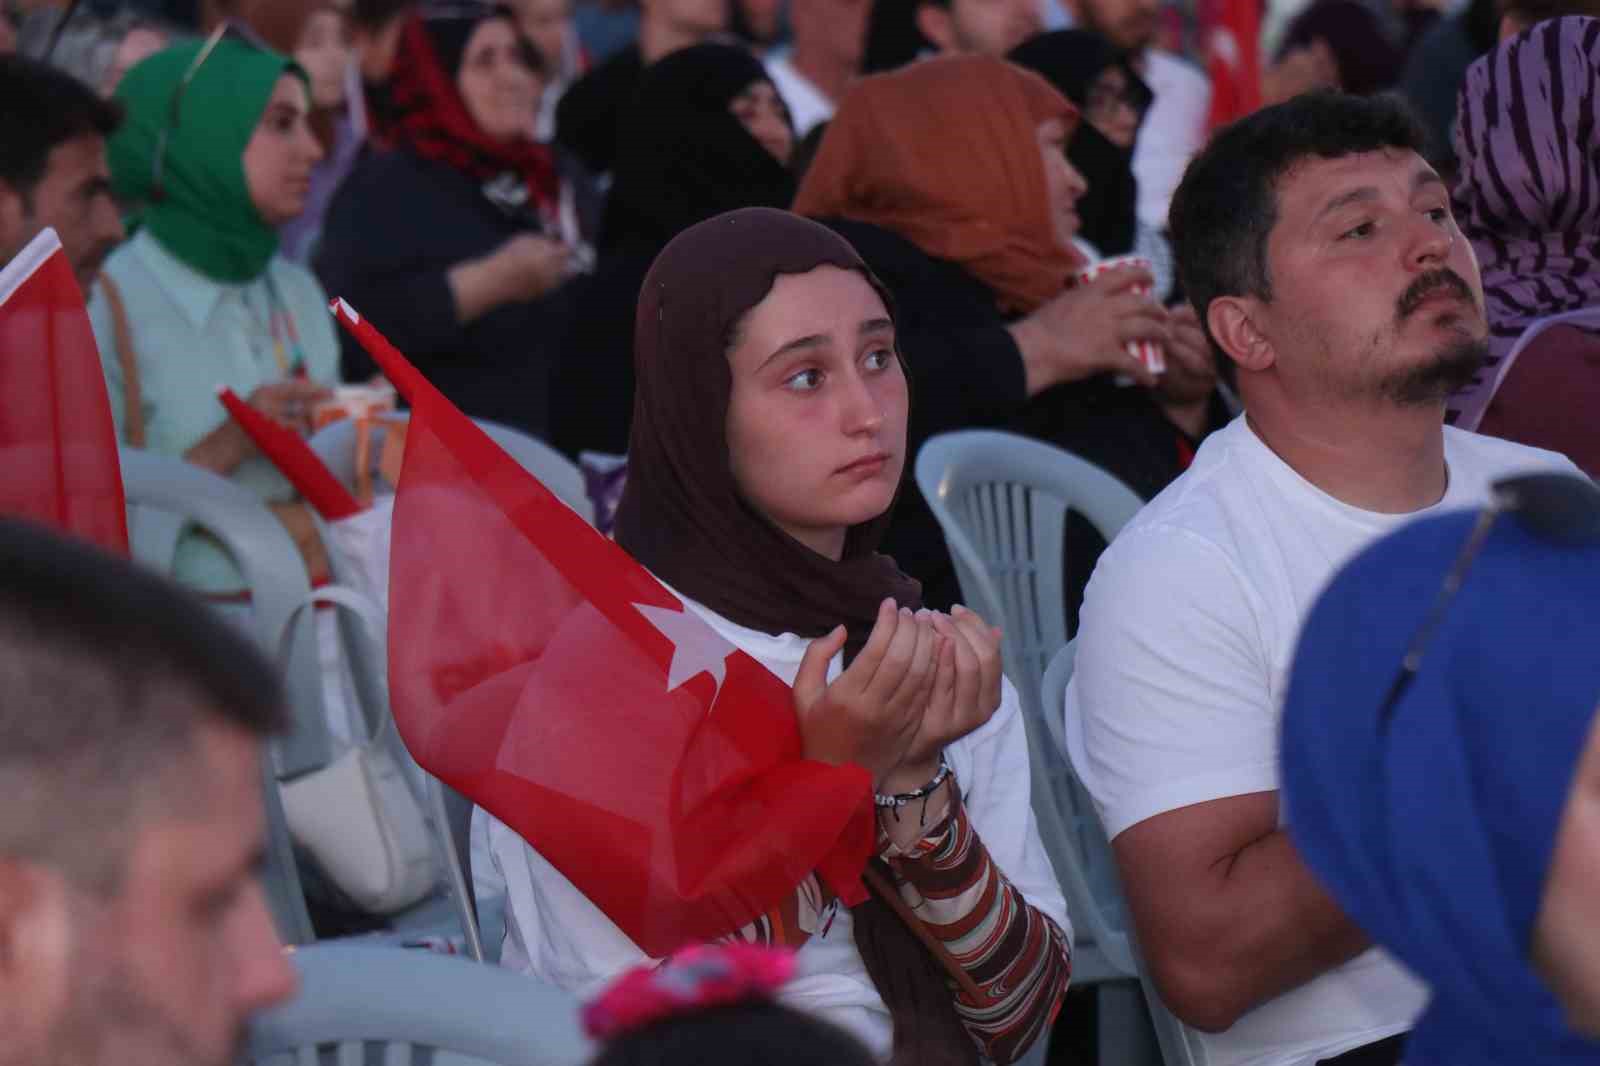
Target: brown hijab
x: 682, y: 516
x: 945, y: 153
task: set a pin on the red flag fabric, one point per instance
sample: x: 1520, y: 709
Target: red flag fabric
x: 302, y: 467
x: 1231, y: 40
x: 540, y: 670
x: 58, y: 444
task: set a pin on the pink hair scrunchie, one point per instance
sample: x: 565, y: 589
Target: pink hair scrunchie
x: 706, y: 975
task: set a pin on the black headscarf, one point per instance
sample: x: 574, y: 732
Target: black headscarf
x: 683, y: 156
x: 682, y: 515
x: 1071, y: 60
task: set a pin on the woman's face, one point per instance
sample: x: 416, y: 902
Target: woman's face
x: 281, y: 153
x: 1063, y: 183
x: 324, y: 52
x: 1566, y: 940
x: 1109, y: 107
x: 817, y: 409
x: 763, y: 113
x: 141, y: 43
x: 499, y: 88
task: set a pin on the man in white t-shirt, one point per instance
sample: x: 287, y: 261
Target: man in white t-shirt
x: 1175, y: 126
x: 827, y: 41
x: 1319, y: 251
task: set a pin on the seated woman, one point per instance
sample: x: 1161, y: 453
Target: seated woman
x: 1112, y: 100
x: 949, y: 176
x: 768, y: 444
x: 1456, y: 819
x: 1526, y: 199
x: 451, y: 243
x: 217, y: 150
x: 709, y: 134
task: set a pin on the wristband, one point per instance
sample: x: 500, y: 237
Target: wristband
x: 900, y: 799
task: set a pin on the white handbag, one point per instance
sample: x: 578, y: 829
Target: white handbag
x: 357, y: 816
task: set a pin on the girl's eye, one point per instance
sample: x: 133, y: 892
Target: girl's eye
x: 1440, y: 215
x: 804, y: 381
x: 879, y: 359
x: 1364, y: 230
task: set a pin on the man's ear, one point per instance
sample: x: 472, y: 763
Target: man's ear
x: 35, y: 954
x: 937, y: 26
x: 1233, y: 322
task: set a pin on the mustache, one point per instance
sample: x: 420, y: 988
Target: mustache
x: 1426, y: 284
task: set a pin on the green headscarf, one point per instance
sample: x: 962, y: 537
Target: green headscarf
x: 206, y: 217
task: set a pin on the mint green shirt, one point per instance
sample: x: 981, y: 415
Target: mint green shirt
x: 192, y: 335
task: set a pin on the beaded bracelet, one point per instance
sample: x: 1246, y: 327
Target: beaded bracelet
x: 900, y: 799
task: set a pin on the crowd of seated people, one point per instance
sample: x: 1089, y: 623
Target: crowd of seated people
x: 763, y: 253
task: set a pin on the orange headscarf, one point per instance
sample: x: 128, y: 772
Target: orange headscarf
x: 945, y: 153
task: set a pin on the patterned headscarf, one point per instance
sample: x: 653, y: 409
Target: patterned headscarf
x: 1529, y: 193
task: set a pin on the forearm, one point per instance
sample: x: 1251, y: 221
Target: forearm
x: 220, y: 451
x: 1017, y: 958
x: 1264, y: 927
x: 477, y: 288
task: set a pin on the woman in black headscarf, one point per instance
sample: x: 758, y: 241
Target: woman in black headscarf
x: 709, y: 133
x: 1113, y: 101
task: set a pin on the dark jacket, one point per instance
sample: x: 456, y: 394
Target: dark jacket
x: 396, y: 227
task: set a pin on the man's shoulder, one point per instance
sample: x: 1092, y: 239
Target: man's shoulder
x: 1479, y: 455
x: 1173, y: 72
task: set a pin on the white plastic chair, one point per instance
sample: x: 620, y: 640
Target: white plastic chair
x: 336, y: 445
x: 415, y: 1008
x: 1105, y: 910
x: 1002, y: 502
x: 166, y: 497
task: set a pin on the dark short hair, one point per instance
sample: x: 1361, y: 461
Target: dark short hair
x: 744, y: 1034
x: 1227, y: 204
x: 107, y: 673
x: 375, y: 14
x: 41, y: 107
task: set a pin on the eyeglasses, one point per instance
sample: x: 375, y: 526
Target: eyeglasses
x: 1562, y: 508
x: 227, y: 28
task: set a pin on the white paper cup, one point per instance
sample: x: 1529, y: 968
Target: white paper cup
x: 1148, y: 353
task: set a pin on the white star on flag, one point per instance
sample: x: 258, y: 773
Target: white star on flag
x: 696, y: 647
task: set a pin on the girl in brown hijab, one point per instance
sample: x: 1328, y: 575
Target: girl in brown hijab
x: 768, y: 446
x: 950, y: 177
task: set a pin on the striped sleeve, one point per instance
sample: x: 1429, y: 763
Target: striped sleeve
x: 806, y: 913
x: 1018, y: 958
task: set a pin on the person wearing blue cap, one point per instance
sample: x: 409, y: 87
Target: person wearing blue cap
x: 1455, y: 814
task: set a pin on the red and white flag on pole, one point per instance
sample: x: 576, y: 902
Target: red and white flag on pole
x: 541, y: 671
x: 58, y: 444
x: 1230, y: 34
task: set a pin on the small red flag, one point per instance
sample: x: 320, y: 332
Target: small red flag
x: 58, y: 444
x: 1231, y: 43
x: 538, y: 669
x: 301, y: 466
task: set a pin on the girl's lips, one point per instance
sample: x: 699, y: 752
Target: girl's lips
x: 867, y: 464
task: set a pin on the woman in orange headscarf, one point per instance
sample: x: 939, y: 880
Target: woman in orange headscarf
x: 950, y: 177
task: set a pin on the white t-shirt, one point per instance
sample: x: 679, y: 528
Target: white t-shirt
x: 807, y: 104
x: 556, y: 934
x: 1187, y: 631
x: 1173, y: 131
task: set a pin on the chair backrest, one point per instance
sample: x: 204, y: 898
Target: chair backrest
x: 1002, y: 502
x: 336, y: 445
x: 1105, y: 910
x: 411, y: 1008
x: 280, y: 875
x: 450, y: 814
x: 167, y: 496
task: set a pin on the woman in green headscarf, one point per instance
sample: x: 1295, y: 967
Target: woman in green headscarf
x: 214, y: 155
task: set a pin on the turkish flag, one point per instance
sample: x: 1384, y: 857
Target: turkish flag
x: 1231, y: 43
x: 300, y: 466
x: 538, y: 669
x: 58, y: 444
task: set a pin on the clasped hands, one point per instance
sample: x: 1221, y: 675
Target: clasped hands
x: 923, y: 680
